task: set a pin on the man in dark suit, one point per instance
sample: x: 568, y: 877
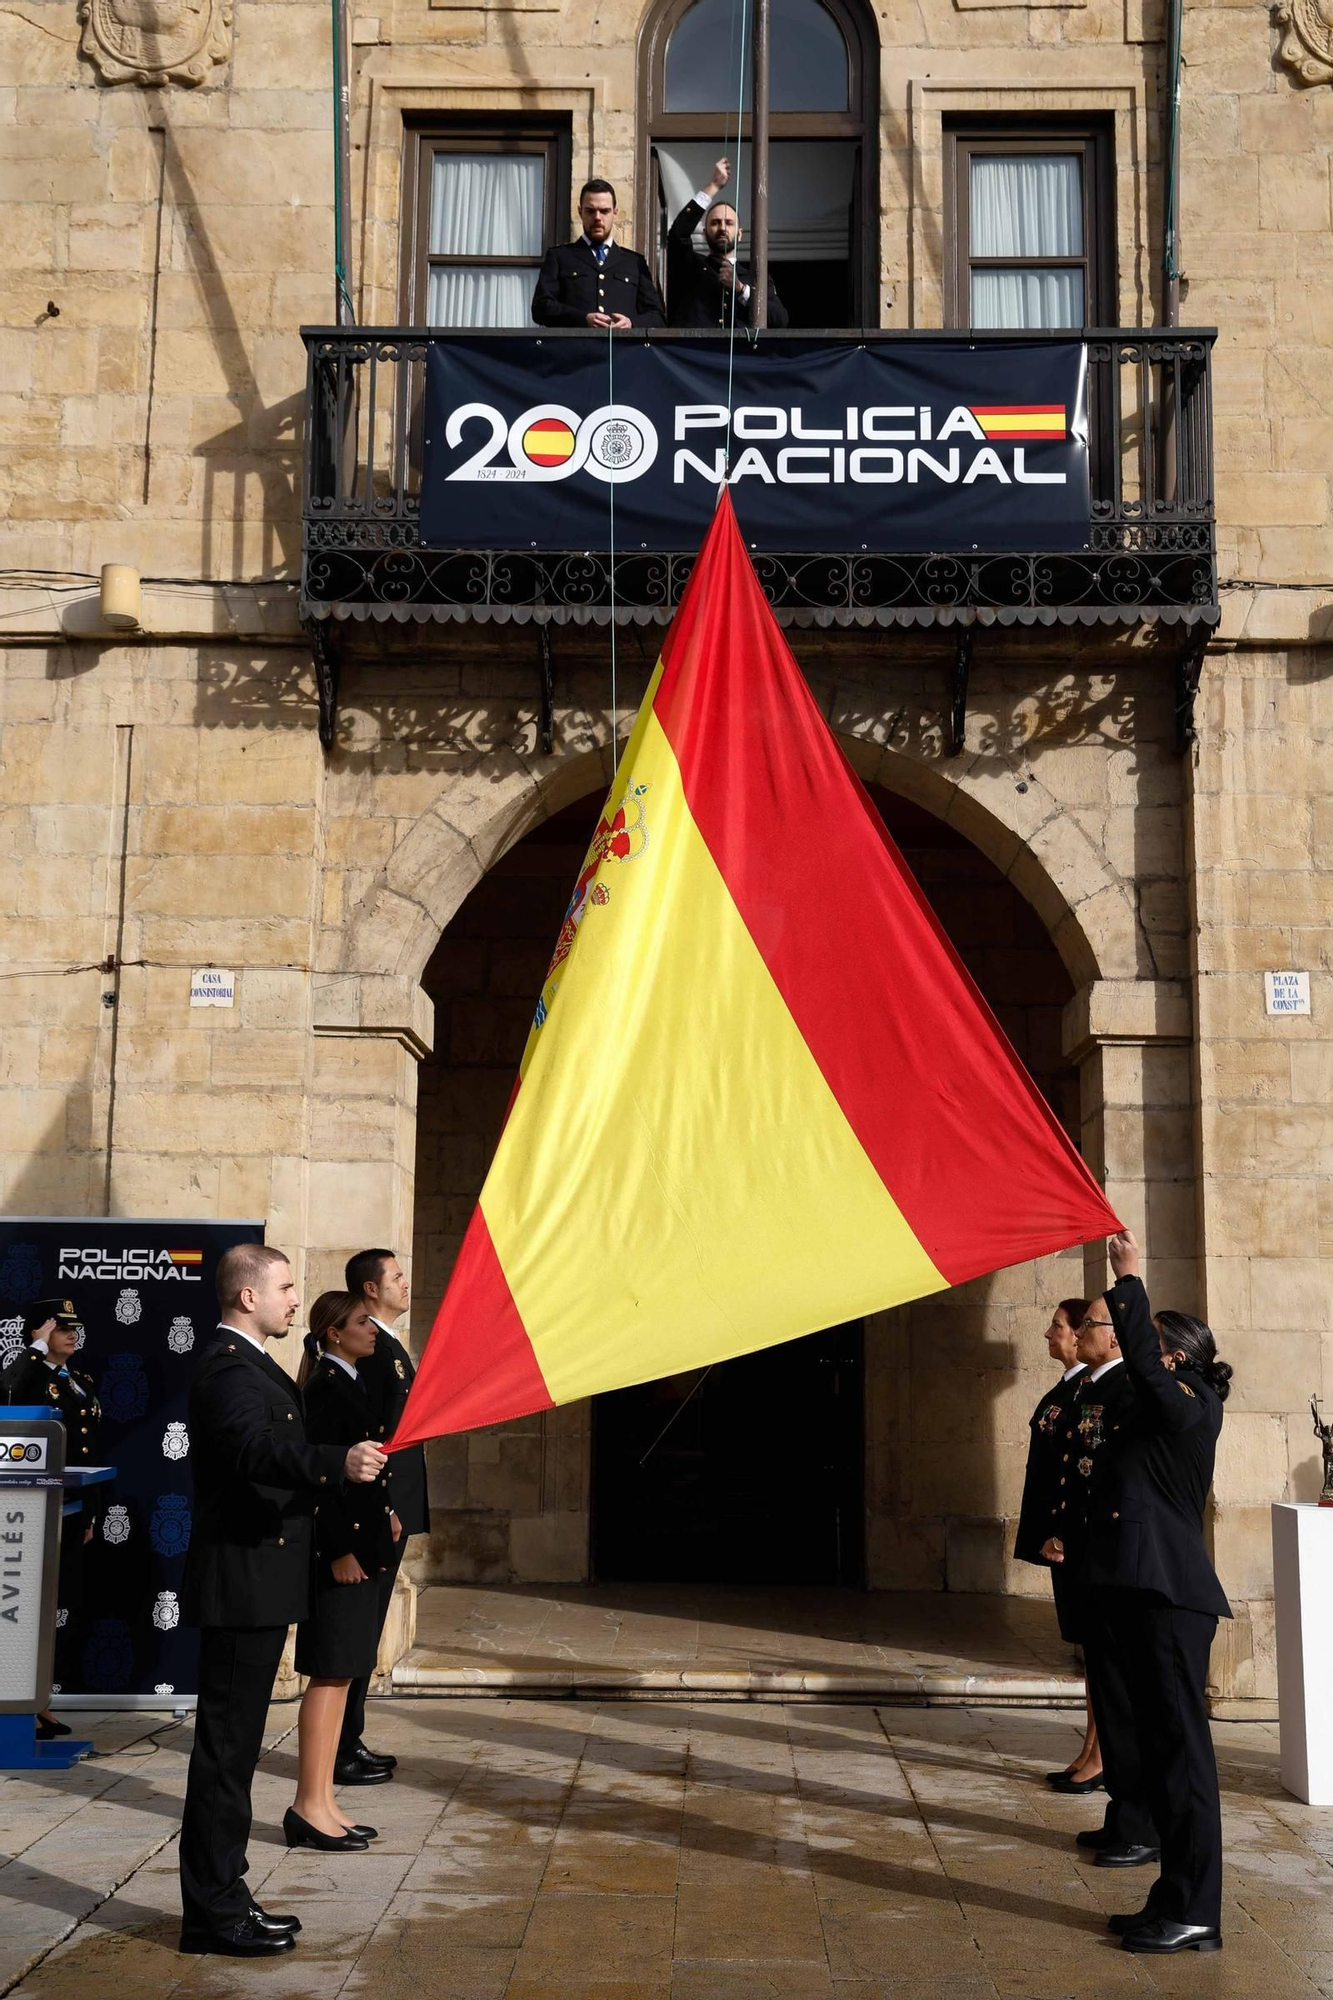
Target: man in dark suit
x: 247, y: 1578
x: 708, y: 290
x: 377, y: 1277
x: 592, y: 281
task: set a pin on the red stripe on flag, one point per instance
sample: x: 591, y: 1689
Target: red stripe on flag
x: 956, y: 1129
x: 479, y: 1367
x: 1016, y: 409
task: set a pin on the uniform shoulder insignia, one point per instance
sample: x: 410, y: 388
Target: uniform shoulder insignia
x: 399, y: 1369
x: 1184, y: 1388
x: 230, y: 1348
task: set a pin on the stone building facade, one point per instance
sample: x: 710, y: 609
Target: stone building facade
x: 166, y: 217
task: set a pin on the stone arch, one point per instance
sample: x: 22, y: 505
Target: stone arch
x: 1016, y: 822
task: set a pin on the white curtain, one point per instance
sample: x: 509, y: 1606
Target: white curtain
x: 1027, y: 205
x: 810, y: 190
x: 1027, y: 298
x: 487, y: 205
x: 482, y: 296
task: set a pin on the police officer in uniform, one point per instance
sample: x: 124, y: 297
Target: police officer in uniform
x: 45, y: 1372
x: 1041, y: 1492
x: 376, y: 1277
x: 709, y: 290
x: 1085, y: 1440
x: 247, y: 1578
x: 1154, y: 1603
x: 592, y: 281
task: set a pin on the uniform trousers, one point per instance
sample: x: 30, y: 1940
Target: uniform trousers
x: 236, y: 1674
x: 1149, y: 1672
x: 354, y: 1714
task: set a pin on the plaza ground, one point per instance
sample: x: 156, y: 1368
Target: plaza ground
x: 658, y: 1850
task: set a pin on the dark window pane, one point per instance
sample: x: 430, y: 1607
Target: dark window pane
x: 809, y: 69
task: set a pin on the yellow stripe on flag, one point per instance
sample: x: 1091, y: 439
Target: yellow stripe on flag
x: 764, y: 1216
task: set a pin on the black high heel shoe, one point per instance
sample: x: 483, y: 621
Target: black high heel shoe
x: 298, y: 1832
x: 366, y: 1832
x: 1076, y: 1787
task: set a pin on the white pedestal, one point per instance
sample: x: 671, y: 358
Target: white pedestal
x: 1303, y: 1590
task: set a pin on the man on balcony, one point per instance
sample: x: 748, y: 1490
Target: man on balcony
x: 592, y: 281
x: 707, y: 291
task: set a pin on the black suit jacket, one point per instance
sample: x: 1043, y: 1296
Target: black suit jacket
x: 1041, y: 1482
x: 696, y: 294
x: 256, y: 1480
x: 1145, y: 1526
x: 31, y: 1380
x: 388, y: 1374
x: 1088, y: 1437
x: 349, y: 1520
x: 572, y: 285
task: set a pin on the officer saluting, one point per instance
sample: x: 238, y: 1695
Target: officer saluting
x: 376, y: 1278
x: 44, y: 1373
x: 247, y: 1578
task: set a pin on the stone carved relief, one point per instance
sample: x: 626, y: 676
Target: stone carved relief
x: 1307, y: 40
x: 156, y: 42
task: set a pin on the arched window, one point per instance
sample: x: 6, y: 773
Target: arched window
x: 823, y: 202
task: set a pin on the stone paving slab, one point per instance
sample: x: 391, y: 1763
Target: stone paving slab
x: 657, y: 1640
x: 538, y: 1850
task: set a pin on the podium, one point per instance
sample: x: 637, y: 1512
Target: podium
x: 1303, y: 1593
x: 35, y: 1493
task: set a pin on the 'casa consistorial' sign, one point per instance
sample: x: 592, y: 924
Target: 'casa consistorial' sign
x: 156, y: 42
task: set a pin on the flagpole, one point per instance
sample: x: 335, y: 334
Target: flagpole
x: 759, y: 169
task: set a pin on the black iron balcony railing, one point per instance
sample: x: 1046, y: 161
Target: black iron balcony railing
x: 1149, y: 556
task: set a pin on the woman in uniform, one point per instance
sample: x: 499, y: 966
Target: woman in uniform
x: 1155, y: 1600
x: 1037, y: 1514
x: 45, y: 1374
x: 353, y: 1543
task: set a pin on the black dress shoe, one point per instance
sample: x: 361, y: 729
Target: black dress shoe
x: 1133, y: 1920
x: 1054, y: 1777
x: 1163, y: 1935
x: 48, y: 1729
x: 243, y: 1939
x: 1076, y: 1787
x: 389, y: 1762
x: 1125, y: 1857
x: 360, y: 1771
x: 298, y: 1832
x: 272, y: 1924
x: 366, y: 1832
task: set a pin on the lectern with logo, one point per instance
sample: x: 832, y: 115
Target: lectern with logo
x: 33, y: 1484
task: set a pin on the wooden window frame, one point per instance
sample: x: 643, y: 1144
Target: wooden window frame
x: 463, y: 132
x: 1093, y: 139
x: 860, y: 123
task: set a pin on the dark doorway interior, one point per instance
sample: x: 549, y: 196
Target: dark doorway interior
x: 748, y: 1472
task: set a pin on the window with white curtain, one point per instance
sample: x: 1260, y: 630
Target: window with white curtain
x: 1032, y: 228
x: 487, y: 203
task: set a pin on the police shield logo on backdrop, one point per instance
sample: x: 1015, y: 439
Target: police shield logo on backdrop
x: 841, y: 449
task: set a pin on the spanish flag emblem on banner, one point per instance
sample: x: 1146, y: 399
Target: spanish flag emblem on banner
x: 761, y: 1095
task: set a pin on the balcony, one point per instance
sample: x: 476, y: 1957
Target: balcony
x: 1146, y: 557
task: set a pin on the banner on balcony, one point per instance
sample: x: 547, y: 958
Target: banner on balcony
x: 145, y: 1294
x: 830, y: 448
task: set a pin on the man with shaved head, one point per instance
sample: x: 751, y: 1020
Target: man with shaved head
x: 709, y: 290
x: 247, y: 1578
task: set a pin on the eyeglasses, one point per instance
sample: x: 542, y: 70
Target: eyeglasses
x: 1085, y: 1324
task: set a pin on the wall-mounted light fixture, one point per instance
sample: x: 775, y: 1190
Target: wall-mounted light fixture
x: 122, y: 597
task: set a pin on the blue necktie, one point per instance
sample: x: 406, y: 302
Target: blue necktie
x: 599, y: 252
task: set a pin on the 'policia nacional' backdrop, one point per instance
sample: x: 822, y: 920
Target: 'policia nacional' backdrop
x: 888, y: 446
x: 145, y: 1294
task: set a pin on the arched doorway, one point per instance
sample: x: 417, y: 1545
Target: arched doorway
x: 823, y: 203
x: 801, y: 1464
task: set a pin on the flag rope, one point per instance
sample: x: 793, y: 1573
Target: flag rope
x: 611, y: 488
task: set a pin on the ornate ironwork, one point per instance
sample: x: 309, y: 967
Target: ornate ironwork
x: 1150, y: 541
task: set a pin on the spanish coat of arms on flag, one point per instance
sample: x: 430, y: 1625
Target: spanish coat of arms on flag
x: 761, y: 1095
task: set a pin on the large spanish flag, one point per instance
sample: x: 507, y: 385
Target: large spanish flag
x: 761, y: 1095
